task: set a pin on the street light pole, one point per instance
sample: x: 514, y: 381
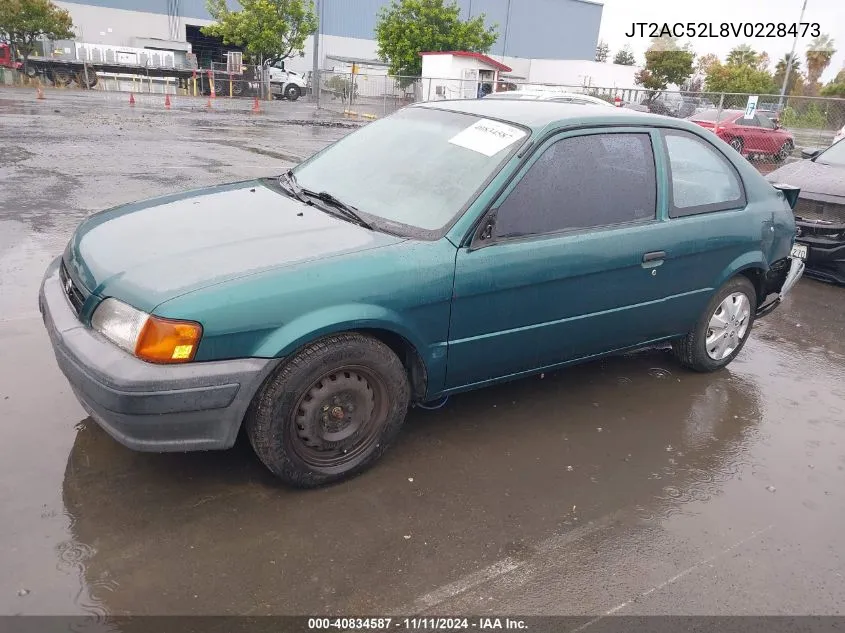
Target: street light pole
x: 791, y: 57
x: 315, y: 74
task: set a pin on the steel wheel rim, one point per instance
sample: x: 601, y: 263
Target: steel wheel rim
x: 728, y: 326
x: 736, y: 144
x: 324, y: 432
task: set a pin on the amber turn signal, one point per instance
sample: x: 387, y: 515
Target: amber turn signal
x: 168, y: 341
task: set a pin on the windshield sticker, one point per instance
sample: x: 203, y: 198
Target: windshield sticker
x: 487, y: 137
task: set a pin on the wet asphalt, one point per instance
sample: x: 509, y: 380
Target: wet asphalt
x: 623, y: 486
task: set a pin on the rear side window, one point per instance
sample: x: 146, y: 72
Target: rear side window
x: 583, y: 182
x: 703, y: 180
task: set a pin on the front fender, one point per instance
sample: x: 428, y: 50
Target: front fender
x: 343, y: 318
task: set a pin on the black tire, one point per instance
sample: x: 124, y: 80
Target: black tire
x: 784, y: 152
x: 92, y: 79
x: 61, y: 77
x: 692, y: 350
x: 314, y: 395
x: 292, y: 92
x: 737, y: 144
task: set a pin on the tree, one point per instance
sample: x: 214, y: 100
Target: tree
x: 624, y: 57
x: 665, y: 63
x: 819, y: 53
x: 268, y: 30
x: 602, y: 51
x: 742, y: 55
x: 834, y: 89
x: 738, y: 78
x: 407, y: 28
x: 796, y: 79
x: 24, y: 22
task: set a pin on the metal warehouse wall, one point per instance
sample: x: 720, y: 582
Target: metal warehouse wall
x: 544, y: 29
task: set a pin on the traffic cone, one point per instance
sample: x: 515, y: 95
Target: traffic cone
x: 39, y: 93
x: 131, y: 98
x: 208, y: 105
x: 256, y: 107
x: 167, y: 102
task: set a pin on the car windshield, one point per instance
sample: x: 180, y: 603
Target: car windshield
x: 713, y: 115
x: 417, y: 167
x: 833, y: 155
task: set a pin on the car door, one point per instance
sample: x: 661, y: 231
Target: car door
x: 568, y: 262
x: 749, y: 131
x: 710, y: 230
x: 770, y: 140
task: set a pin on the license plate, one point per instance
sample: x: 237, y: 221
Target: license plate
x: 799, y: 251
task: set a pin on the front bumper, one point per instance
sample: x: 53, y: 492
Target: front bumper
x: 825, y: 254
x: 148, y: 407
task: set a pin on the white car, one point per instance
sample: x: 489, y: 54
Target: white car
x: 549, y: 95
x: 286, y: 83
x: 839, y: 135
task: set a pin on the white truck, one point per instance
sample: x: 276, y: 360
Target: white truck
x: 286, y: 83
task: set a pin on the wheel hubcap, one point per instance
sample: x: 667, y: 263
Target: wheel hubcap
x: 728, y: 326
x: 339, y: 417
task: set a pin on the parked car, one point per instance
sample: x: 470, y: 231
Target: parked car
x: 839, y: 135
x: 548, y: 95
x: 450, y: 246
x: 758, y: 135
x: 673, y: 104
x: 820, y: 211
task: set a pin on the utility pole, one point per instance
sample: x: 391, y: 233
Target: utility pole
x: 791, y: 57
x: 315, y: 74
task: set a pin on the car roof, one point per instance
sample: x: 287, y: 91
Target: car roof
x: 538, y: 114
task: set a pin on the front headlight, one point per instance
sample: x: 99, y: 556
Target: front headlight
x: 147, y: 336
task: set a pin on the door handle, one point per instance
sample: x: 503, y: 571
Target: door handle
x: 654, y: 256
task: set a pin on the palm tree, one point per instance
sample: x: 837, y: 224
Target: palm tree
x: 819, y: 53
x: 742, y: 55
x: 794, y: 73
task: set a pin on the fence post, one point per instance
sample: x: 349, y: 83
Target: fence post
x: 719, y: 113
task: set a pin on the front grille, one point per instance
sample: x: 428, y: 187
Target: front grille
x: 72, y: 292
x: 820, y: 211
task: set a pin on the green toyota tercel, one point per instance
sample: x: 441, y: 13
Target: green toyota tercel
x: 450, y: 246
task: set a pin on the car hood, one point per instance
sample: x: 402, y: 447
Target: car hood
x: 817, y: 181
x: 149, y: 252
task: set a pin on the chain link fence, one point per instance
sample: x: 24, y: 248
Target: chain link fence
x: 777, y: 130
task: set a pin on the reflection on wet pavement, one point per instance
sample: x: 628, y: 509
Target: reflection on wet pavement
x: 627, y: 484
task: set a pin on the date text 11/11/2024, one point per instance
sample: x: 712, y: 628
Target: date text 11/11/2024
x: 724, y: 29
x: 417, y: 624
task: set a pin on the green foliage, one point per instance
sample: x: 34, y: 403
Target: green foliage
x: 834, y: 89
x: 742, y: 79
x: 795, y: 81
x: 819, y: 53
x: 268, y: 30
x: 624, y: 57
x: 602, y: 51
x: 742, y: 55
x: 665, y: 63
x: 810, y: 116
x: 407, y: 28
x: 23, y: 22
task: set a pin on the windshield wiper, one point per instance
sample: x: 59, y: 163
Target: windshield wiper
x: 288, y: 182
x: 346, y: 210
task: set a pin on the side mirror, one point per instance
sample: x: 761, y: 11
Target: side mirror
x: 810, y: 152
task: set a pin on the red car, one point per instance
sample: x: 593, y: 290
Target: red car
x: 757, y: 135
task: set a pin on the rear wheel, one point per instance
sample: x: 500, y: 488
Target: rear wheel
x: 722, y: 329
x: 61, y: 77
x: 330, y: 411
x: 737, y: 144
